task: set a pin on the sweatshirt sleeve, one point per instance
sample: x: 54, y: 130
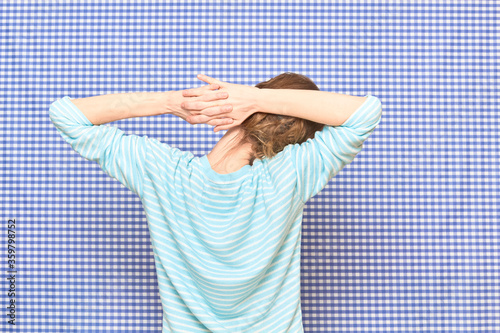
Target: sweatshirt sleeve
x: 319, y: 159
x: 121, y: 156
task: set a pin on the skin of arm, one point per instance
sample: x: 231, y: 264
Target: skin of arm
x: 324, y: 107
x: 112, y: 107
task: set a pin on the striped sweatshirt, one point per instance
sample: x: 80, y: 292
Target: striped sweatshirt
x: 226, y: 246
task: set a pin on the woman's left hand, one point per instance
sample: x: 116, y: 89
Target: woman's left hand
x: 206, y: 105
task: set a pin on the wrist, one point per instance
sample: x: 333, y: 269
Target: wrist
x: 268, y: 101
x: 142, y: 104
x: 257, y: 100
x: 172, y: 103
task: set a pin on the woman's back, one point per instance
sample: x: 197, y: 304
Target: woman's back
x: 229, y: 244
x: 225, y: 242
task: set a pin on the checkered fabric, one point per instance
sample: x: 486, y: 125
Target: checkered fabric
x: 404, y: 239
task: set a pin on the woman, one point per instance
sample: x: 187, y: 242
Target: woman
x: 226, y: 227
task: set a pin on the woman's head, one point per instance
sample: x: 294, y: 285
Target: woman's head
x: 269, y: 133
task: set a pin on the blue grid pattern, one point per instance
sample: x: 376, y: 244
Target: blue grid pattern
x: 404, y: 239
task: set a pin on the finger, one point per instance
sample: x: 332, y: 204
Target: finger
x: 217, y: 111
x: 197, y: 119
x: 193, y: 92
x: 222, y: 128
x: 220, y: 121
x: 206, y: 108
x: 203, y: 119
x: 189, y: 93
x: 227, y: 126
x: 212, y: 86
x: 208, y: 79
x: 193, y: 106
x: 218, y: 129
x: 215, y: 96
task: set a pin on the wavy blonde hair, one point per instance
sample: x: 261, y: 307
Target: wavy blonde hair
x: 269, y: 133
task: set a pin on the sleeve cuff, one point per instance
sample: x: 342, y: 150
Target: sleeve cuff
x: 73, y: 112
x: 365, y: 114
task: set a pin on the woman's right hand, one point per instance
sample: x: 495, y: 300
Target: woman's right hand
x: 242, y: 98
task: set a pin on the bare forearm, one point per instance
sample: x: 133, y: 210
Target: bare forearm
x: 112, y: 107
x: 320, y: 106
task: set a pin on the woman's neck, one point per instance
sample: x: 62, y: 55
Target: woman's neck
x: 229, y: 155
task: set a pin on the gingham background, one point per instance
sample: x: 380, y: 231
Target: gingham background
x: 404, y: 239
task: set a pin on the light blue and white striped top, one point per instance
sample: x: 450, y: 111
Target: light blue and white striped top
x: 226, y: 246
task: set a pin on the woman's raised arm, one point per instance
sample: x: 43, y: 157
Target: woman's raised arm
x: 323, y: 107
x: 112, y: 107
